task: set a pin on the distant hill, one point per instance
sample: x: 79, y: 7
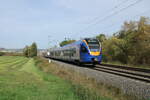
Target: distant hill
x: 2, y: 48
x: 18, y: 50
x: 11, y: 50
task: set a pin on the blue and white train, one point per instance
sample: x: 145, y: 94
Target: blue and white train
x: 85, y: 51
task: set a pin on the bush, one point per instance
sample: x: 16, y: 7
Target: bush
x: 30, y: 51
x: 2, y: 53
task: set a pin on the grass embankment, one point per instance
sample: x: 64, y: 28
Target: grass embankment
x: 20, y: 79
x: 85, y: 88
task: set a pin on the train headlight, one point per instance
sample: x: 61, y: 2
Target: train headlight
x: 96, y: 59
x: 48, y: 53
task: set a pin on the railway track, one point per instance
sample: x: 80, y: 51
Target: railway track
x: 130, y: 72
x: 138, y: 74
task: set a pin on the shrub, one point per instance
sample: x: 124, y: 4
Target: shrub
x: 2, y: 53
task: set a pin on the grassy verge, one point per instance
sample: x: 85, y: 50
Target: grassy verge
x: 21, y: 79
x: 85, y: 88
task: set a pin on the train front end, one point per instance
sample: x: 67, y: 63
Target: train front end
x: 91, y: 51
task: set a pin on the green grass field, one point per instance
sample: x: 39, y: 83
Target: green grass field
x: 20, y: 79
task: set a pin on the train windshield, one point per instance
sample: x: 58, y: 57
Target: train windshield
x: 93, y: 44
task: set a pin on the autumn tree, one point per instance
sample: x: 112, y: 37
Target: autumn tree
x: 131, y: 44
x: 101, y: 37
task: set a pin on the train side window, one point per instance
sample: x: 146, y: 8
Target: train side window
x: 83, y: 49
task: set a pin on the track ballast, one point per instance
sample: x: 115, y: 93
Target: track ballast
x: 139, y: 74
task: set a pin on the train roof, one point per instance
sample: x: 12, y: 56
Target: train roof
x: 77, y: 42
x: 74, y: 43
x: 71, y: 44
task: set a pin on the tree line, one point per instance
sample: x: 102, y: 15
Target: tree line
x: 30, y: 51
x: 131, y: 45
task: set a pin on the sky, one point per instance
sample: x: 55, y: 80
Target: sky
x: 48, y: 22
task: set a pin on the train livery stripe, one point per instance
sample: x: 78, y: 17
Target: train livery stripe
x: 85, y: 42
x: 86, y: 45
x: 95, y: 53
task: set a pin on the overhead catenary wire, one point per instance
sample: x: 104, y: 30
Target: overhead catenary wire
x: 111, y: 15
x: 113, y: 25
x: 110, y: 10
x: 107, y: 28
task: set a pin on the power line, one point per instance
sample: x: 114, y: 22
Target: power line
x: 107, y: 28
x: 110, y: 10
x: 112, y: 25
x: 113, y: 14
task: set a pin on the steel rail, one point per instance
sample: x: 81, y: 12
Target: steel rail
x: 130, y: 72
x: 128, y: 68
